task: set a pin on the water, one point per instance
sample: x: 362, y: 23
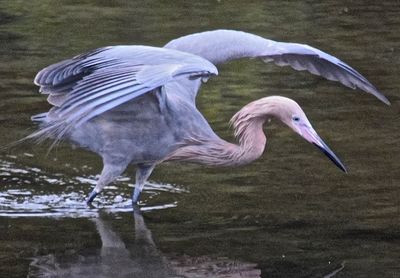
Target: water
x: 290, y: 214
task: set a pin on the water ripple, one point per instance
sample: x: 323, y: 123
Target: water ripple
x: 31, y: 192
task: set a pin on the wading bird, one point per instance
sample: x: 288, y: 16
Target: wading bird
x: 136, y: 104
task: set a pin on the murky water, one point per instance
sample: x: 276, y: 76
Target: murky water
x: 290, y: 214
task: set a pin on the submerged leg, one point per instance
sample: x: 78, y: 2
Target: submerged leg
x: 143, y: 172
x: 109, y: 174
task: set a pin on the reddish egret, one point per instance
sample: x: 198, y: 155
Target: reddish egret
x: 136, y: 104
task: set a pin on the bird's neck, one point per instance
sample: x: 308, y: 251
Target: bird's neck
x: 248, y: 130
x: 251, y: 141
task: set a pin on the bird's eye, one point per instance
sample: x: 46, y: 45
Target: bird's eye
x: 296, y: 118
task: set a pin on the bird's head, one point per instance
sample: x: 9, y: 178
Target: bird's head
x: 290, y: 113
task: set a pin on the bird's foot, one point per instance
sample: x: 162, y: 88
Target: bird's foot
x: 91, y: 197
x: 135, y: 200
x: 135, y: 196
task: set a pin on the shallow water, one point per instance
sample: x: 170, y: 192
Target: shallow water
x: 290, y: 214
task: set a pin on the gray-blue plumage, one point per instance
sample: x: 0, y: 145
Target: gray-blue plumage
x: 221, y: 46
x: 136, y: 104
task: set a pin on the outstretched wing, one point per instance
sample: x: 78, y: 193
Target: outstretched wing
x: 93, y: 83
x: 225, y: 45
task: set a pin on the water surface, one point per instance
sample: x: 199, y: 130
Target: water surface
x: 290, y: 214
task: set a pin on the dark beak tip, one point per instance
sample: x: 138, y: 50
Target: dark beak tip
x: 340, y: 166
x: 332, y: 157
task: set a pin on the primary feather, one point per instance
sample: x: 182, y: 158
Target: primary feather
x: 90, y: 84
x: 221, y: 46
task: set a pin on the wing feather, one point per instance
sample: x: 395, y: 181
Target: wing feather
x: 90, y: 84
x: 221, y: 46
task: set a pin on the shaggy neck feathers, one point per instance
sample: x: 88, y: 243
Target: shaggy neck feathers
x: 248, y: 130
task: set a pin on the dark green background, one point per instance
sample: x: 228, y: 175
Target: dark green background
x: 292, y: 213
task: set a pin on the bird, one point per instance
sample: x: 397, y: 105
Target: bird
x: 136, y: 104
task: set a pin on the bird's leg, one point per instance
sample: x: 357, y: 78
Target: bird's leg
x: 142, y: 174
x: 109, y: 174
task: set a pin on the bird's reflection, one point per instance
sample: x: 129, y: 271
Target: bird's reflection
x: 142, y: 259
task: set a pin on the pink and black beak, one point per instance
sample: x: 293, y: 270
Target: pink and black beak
x: 308, y: 133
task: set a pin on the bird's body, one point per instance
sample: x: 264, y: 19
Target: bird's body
x: 136, y: 104
x: 121, y: 133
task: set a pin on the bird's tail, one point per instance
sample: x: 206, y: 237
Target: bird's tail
x: 40, y: 118
x: 46, y: 130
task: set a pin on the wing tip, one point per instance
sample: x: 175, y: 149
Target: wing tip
x: 378, y: 95
x: 384, y: 99
x: 37, y: 80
